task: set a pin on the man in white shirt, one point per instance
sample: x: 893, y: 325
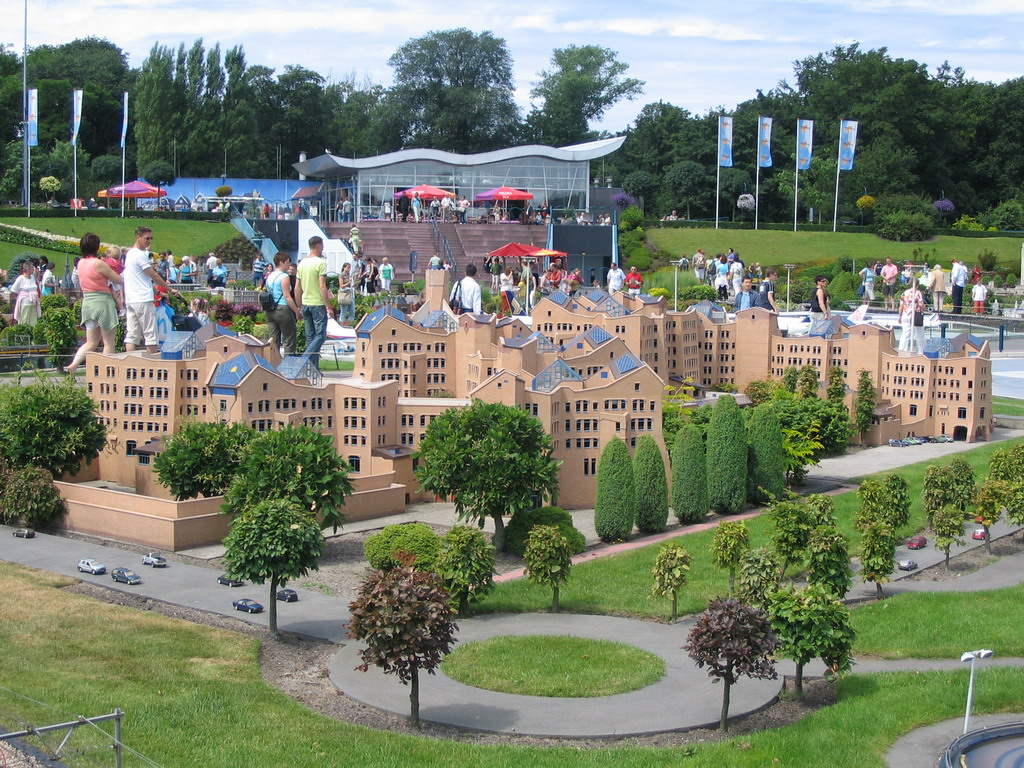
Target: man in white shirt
x: 616, y: 278
x: 958, y: 277
x: 467, y: 291
x: 211, y: 262
x: 139, y: 276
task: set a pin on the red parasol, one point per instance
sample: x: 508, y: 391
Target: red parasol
x: 503, y: 193
x: 514, y: 251
x: 425, y: 192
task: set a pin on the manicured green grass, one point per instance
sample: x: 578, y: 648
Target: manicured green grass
x: 190, y: 690
x: 805, y: 248
x: 1008, y: 406
x: 329, y: 364
x: 553, y: 665
x: 621, y: 584
x: 941, y: 625
x: 181, y: 237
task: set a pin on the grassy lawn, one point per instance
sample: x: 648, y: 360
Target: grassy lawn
x: 190, y: 690
x: 774, y: 247
x: 553, y: 665
x: 621, y: 584
x: 1008, y: 406
x: 181, y: 237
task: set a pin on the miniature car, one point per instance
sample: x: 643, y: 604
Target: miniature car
x: 894, y: 443
x: 227, y: 581
x: 917, y: 542
x: 287, y: 595
x: 907, y: 565
x: 247, y: 605
x: 125, y: 576
x: 942, y: 439
x: 978, y: 534
x: 24, y: 533
x: 155, y: 560
x: 88, y: 565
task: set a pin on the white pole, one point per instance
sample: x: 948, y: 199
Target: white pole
x: 796, y: 196
x: 718, y: 185
x: 122, y: 182
x: 835, y: 211
x: 970, y: 695
x: 757, y: 191
x: 27, y: 159
x: 75, y: 184
x: 675, y: 290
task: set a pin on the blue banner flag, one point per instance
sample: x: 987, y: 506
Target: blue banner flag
x: 33, y: 118
x: 76, y: 114
x: 847, y: 144
x: 764, y: 142
x: 804, y: 144
x: 725, y: 141
x: 124, y: 119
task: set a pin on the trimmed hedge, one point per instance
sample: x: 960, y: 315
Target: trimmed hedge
x: 114, y: 213
x: 518, y: 529
x: 651, y: 488
x: 767, y: 467
x: 615, y: 509
x: 727, y: 457
x: 689, y: 476
x: 416, y: 538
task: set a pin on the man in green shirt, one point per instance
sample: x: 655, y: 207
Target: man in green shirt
x: 312, y: 295
x: 387, y: 274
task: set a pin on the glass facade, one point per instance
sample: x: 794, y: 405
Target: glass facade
x: 560, y: 183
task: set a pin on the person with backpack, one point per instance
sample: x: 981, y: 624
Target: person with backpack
x: 282, y: 318
x: 766, y: 293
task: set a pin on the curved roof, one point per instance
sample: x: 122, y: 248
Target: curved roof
x: 331, y: 165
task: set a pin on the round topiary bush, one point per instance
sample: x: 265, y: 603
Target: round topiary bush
x: 31, y: 498
x: 416, y: 538
x: 519, y: 527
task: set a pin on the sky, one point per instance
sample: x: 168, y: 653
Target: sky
x: 697, y: 56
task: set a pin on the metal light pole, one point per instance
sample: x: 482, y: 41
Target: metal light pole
x: 675, y: 289
x: 789, y: 270
x: 972, y: 656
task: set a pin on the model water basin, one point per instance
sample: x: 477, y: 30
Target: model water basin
x: 1000, y: 746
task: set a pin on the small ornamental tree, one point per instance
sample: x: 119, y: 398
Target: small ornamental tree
x: 962, y: 482
x: 29, y: 497
x: 897, y: 508
x: 828, y: 561
x: 405, y: 619
x: 1007, y: 464
x: 821, y: 510
x: 758, y: 576
x: 548, y: 559
x: 51, y: 425
x: 49, y: 184
x: 615, y: 506
x: 937, y: 491
x: 383, y: 549
x: 727, y: 457
x: 766, y: 460
x: 297, y: 464
x: 651, y: 488
x: 836, y: 390
x: 733, y: 640
x: 790, y: 532
x: 730, y: 541
x: 790, y: 379
x: 864, y: 404
x: 948, y: 528
x: 273, y: 541
x: 689, y: 476
x: 202, y: 458
x: 465, y: 564
x: 873, y: 503
x: 1015, y: 503
x: 989, y: 501
x: 671, y: 567
x: 877, y: 550
x: 811, y: 623
x: 807, y: 382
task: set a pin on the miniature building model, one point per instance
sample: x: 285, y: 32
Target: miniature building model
x: 590, y: 367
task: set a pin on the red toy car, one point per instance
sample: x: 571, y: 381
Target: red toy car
x: 917, y: 542
x: 979, y: 534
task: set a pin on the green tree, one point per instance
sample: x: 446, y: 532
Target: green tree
x: 50, y: 425
x: 689, y: 476
x: 1007, y: 464
x: 733, y: 640
x: 836, y: 390
x: 864, y: 403
x: 50, y: 184
x: 583, y: 83
x: 453, y: 90
x: 948, y: 528
x: 157, y: 102
x: 963, y: 484
x: 812, y: 623
x: 807, y: 383
x: 272, y: 541
x: 758, y: 576
x: 296, y: 464
x: 494, y: 459
x: 790, y: 379
x: 60, y: 329
x: 937, y: 491
x: 391, y: 547
x: 519, y: 527
x: 897, y: 506
x: 730, y: 541
x: 465, y: 564
x: 615, y: 506
x: 877, y: 550
x: 651, y: 488
x: 821, y: 510
x: 548, y: 559
x: 791, y: 531
x: 688, y: 182
x: 766, y: 461
x: 670, y: 571
x: 28, y: 496
x: 727, y: 457
x: 405, y: 619
x: 989, y: 501
x: 202, y: 458
x: 159, y: 173
x: 873, y: 503
x: 828, y: 560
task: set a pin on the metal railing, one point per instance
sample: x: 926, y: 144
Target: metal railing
x: 265, y: 244
x: 441, y: 244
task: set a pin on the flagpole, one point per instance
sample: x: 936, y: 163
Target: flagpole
x: 757, y: 191
x: 74, y: 193
x: 718, y: 187
x: 796, y: 192
x: 27, y: 153
x: 124, y: 141
x: 835, y: 212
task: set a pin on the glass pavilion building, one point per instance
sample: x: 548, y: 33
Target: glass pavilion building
x: 559, y: 176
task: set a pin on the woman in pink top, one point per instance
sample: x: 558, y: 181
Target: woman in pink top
x: 99, y: 308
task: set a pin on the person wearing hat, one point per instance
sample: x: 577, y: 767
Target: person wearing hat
x: 937, y: 285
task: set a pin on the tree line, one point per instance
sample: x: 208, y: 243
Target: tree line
x: 934, y: 135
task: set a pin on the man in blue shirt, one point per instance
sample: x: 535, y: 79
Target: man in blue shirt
x: 745, y: 297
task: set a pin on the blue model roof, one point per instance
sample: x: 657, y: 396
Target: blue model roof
x: 626, y: 363
x: 553, y: 375
x: 232, y: 372
x: 374, y: 319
